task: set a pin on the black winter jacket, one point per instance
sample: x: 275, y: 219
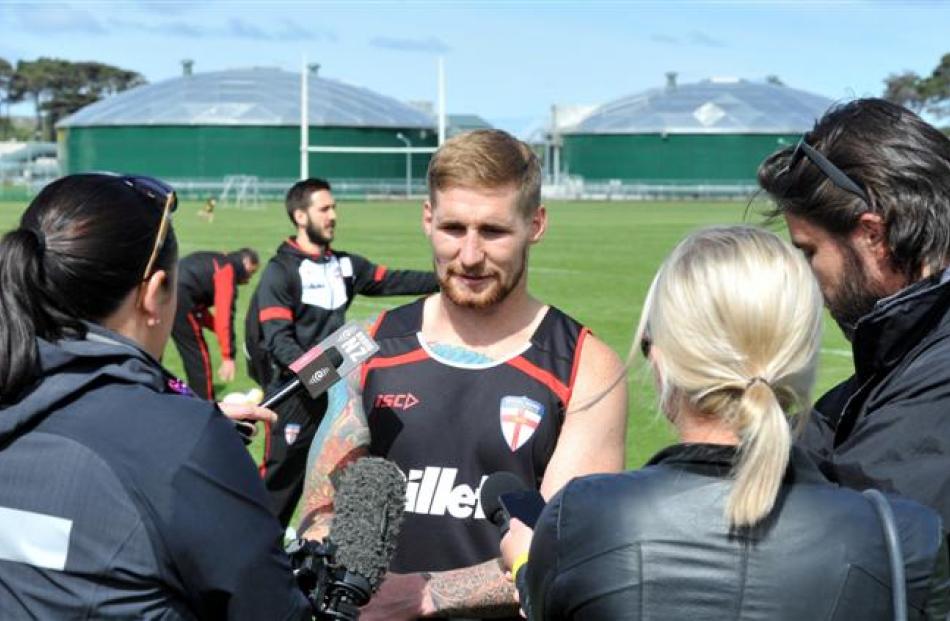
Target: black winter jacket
x: 654, y: 544
x: 124, y: 497
x: 888, y: 426
x: 302, y: 298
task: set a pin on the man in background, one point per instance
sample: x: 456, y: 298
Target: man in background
x: 206, y: 281
x: 866, y: 196
x: 302, y: 298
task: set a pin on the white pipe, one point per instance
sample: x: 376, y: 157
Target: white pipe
x: 304, y: 120
x: 336, y: 149
x: 441, y: 98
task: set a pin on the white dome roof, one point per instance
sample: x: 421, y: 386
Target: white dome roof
x: 711, y: 106
x: 258, y: 96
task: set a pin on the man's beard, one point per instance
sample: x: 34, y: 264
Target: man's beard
x: 493, y: 294
x: 315, y: 236
x: 855, y: 296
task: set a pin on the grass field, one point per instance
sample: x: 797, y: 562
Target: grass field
x: 595, y: 263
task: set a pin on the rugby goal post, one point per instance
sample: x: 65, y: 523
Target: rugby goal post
x: 306, y: 148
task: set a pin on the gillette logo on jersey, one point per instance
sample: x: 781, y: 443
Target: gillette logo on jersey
x: 433, y: 491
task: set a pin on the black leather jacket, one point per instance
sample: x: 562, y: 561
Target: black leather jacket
x: 654, y: 544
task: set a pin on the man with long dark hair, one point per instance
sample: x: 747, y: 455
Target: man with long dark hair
x: 866, y: 196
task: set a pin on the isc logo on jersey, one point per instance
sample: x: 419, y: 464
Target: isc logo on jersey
x: 433, y: 491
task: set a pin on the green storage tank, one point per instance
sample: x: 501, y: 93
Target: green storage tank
x: 208, y: 126
x: 713, y: 132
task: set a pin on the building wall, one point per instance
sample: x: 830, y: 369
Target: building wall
x: 213, y: 152
x: 671, y: 158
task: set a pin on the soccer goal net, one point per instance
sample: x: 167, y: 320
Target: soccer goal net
x: 241, y: 192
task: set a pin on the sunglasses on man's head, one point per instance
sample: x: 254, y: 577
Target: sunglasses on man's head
x: 163, y: 195
x: 834, y: 174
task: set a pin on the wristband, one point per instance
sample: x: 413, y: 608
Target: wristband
x: 520, y: 561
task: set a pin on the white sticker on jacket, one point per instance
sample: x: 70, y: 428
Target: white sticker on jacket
x: 322, y: 284
x: 346, y: 266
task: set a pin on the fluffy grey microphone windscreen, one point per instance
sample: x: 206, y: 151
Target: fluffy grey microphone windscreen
x: 368, y: 509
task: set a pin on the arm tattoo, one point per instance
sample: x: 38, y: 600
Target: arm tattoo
x: 342, y: 437
x: 480, y: 591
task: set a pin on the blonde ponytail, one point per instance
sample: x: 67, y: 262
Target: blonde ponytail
x: 734, y: 315
x: 765, y: 442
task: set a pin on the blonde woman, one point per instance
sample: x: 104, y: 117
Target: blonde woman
x: 732, y: 522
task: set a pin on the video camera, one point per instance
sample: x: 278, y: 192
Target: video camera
x: 340, y: 573
x: 333, y: 591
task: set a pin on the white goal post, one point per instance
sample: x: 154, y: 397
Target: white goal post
x: 306, y: 148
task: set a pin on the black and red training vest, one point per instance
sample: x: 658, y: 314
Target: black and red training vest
x: 448, y: 425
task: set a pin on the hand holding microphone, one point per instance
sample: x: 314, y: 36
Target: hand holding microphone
x: 319, y: 369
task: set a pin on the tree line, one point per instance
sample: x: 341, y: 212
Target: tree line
x: 57, y: 88
x: 929, y: 93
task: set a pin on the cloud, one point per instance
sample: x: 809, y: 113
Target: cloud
x: 56, y: 18
x: 174, y: 28
x: 240, y: 29
x: 234, y: 29
x: 293, y: 31
x: 694, y: 38
x: 430, y: 44
x: 180, y: 29
x: 178, y: 7
x: 63, y: 18
x: 697, y: 37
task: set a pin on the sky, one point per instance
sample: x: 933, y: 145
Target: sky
x: 505, y: 61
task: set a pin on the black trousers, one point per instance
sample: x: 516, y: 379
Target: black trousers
x: 287, y: 445
x: 191, y: 344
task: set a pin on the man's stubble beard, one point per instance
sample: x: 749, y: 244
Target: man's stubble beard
x: 855, y: 295
x: 496, y: 294
x: 315, y: 236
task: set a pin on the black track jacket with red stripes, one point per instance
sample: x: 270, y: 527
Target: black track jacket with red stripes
x: 210, y: 279
x: 302, y: 298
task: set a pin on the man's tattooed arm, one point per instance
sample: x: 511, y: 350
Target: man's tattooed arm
x: 477, y: 591
x: 342, y: 437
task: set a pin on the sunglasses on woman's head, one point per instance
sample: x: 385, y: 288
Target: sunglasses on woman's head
x: 163, y: 195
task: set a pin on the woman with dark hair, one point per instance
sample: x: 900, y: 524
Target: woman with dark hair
x: 123, y: 496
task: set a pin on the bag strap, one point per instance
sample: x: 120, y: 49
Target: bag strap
x: 892, y: 541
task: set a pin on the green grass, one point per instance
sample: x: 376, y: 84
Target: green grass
x: 595, y: 263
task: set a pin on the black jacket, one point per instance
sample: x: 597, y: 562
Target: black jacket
x: 124, y: 498
x: 302, y: 298
x: 654, y: 544
x: 888, y: 426
x: 210, y: 280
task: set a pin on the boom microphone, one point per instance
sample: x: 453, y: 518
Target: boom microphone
x: 367, y: 514
x: 340, y: 573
